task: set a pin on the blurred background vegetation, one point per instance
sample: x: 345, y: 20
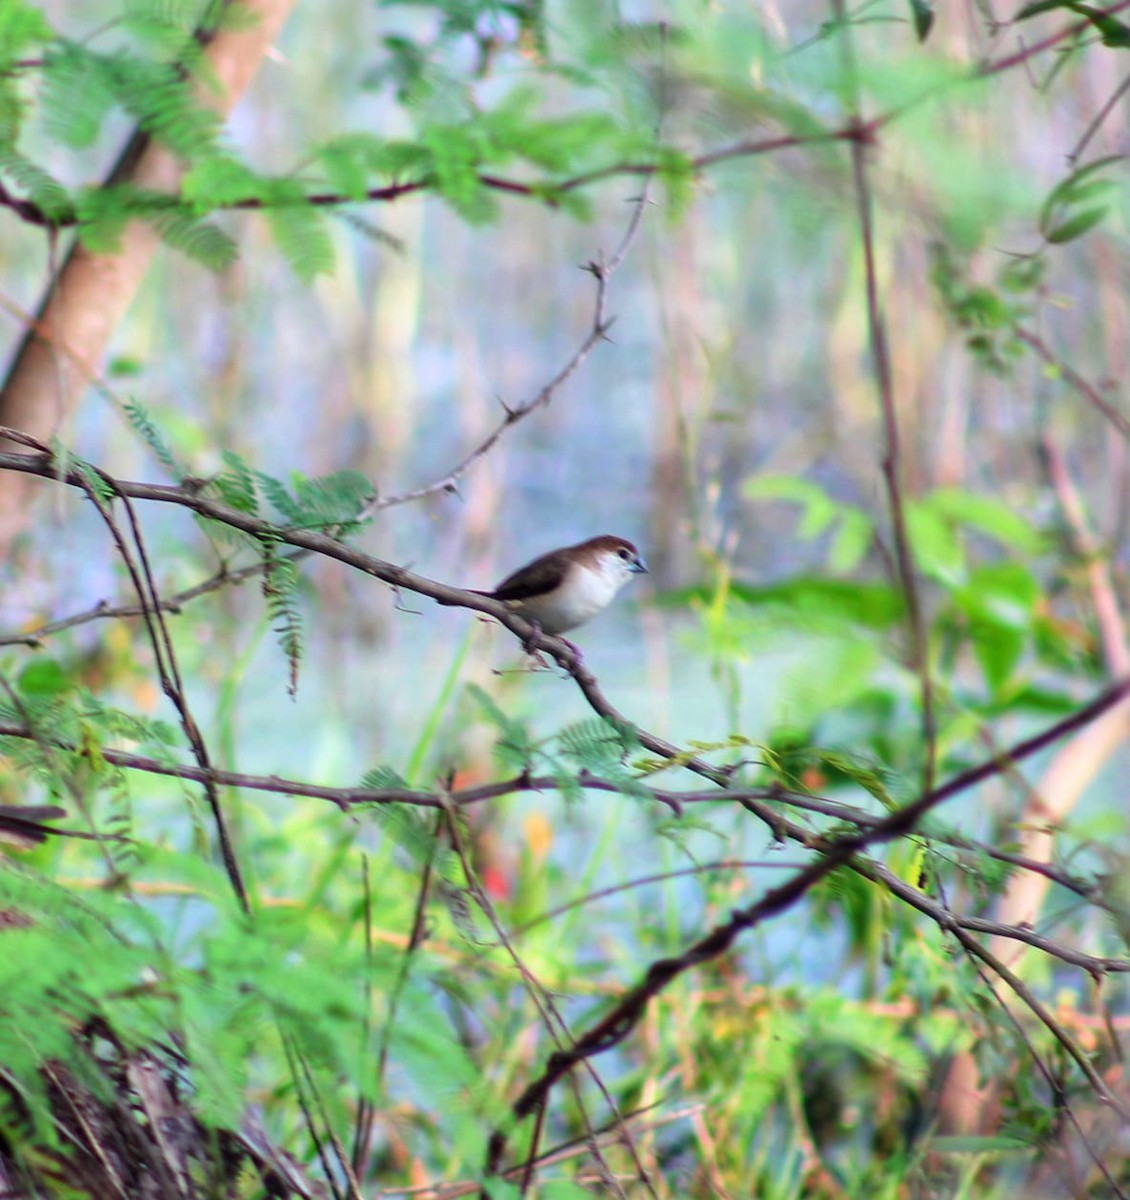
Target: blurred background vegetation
x: 733, y: 426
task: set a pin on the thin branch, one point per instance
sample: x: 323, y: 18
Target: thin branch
x: 892, y: 465
x: 616, y: 1024
x: 48, y: 466
x: 105, y: 611
x: 1097, y: 122
x: 1083, y: 386
x: 541, y: 190
x: 598, y: 332
x: 347, y: 797
x: 1026, y: 53
x: 601, y: 271
x: 145, y: 587
x: 1037, y: 1008
x: 551, y: 1018
x: 982, y: 971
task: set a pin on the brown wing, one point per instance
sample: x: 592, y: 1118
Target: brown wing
x: 534, y: 579
x: 474, y: 591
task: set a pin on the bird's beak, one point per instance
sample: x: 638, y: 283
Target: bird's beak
x: 638, y: 566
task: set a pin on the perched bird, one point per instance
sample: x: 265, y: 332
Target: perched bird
x: 566, y: 587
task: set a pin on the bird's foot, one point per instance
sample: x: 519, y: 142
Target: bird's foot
x: 530, y: 648
x: 575, y: 648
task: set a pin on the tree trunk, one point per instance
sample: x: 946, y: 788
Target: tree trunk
x: 90, y: 293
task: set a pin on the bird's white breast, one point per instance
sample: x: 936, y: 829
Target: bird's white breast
x: 584, y: 592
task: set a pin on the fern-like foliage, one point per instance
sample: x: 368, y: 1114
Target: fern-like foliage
x: 104, y: 212
x: 300, y: 229
x: 38, y: 186
x: 596, y: 743
x: 56, y: 713
x: 95, y: 481
x: 515, y: 747
x: 302, y: 234
x: 409, y: 828
x: 280, y: 585
x: 141, y: 422
x: 236, y: 484
x: 222, y: 996
x: 331, y: 501
x: 22, y: 28
x: 200, y: 240
x: 155, y: 735
x: 82, y: 87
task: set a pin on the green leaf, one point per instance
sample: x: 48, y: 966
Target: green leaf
x: 1114, y: 33
x: 972, y: 1144
x: 818, y: 509
x: 1036, y: 700
x: 77, y: 95
x: 220, y: 181
x: 280, y: 583
x: 277, y: 495
x: 205, y: 243
x: 237, y: 484
x: 851, y: 766
x: 139, y: 418
x: 596, y: 743
x: 22, y: 27
x: 1041, y: 6
x: 851, y: 541
x: 997, y: 651
x: 333, y: 499
x: 989, y: 516
x: 514, y: 746
x: 40, y: 187
x: 934, y: 542
x: 346, y: 162
x: 872, y: 605
x: 43, y: 677
x: 101, y: 219
x: 302, y: 233
x: 922, y: 14
x: 163, y: 103
x: 408, y: 828
x: 380, y: 778
x: 103, y: 213
x: 1078, y: 203
x: 456, y: 152
x: 783, y: 487
x: 95, y: 481
x: 1004, y: 595
x: 1074, y: 227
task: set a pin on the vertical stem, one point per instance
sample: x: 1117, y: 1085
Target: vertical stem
x: 881, y: 363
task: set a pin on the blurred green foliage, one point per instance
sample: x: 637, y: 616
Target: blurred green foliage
x: 398, y: 991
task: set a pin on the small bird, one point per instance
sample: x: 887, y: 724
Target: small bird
x: 567, y: 587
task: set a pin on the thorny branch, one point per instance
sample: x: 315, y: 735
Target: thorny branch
x: 347, y: 798
x: 838, y: 852
x: 834, y: 852
x: 602, y: 271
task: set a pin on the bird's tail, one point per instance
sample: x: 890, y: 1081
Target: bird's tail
x: 455, y: 603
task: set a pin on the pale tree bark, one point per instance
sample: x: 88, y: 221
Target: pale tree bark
x: 90, y: 293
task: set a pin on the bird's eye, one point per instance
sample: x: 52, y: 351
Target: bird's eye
x: 623, y: 552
